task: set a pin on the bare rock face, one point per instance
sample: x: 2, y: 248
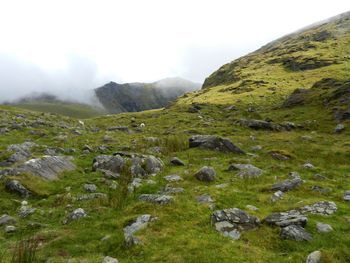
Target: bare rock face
x: 212, y: 142
x: 295, y: 232
x: 47, y: 167
x: 231, y: 221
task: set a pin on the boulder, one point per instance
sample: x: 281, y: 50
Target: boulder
x: 90, y: 188
x: 25, y: 210
x: 110, y: 163
x: 284, y: 219
x: 246, y: 170
x: 140, y: 223
x: 109, y: 259
x: 277, y: 196
x: 16, y: 187
x: 295, y: 232
x: 314, y: 257
x: 156, y: 199
x: 287, y: 185
x: 177, y: 162
x: 205, y: 174
x: 47, y: 167
x: 214, y: 143
x: 323, y: 228
x: 346, y: 195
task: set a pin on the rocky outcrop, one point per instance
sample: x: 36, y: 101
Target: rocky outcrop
x: 212, y: 142
x: 295, y: 232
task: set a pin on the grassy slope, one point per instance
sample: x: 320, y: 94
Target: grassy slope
x: 183, y: 232
x: 74, y: 110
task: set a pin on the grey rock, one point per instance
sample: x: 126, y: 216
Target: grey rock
x: 205, y: 174
x: 287, y: 185
x: 113, y: 164
x: 156, y: 199
x: 256, y: 148
x: 346, y: 195
x: 228, y: 230
x: 314, y: 257
x: 339, y: 128
x: 319, y: 177
x: 7, y: 220
x: 283, y: 219
x: 295, y: 232
x: 140, y: 223
x: 214, y: 143
x: 262, y: 125
x: 308, y: 166
x: 177, y: 162
x: 246, y: 170
x: 276, y: 196
x: 90, y: 188
x: 110, y: 175
x: 21, y: 151
x: 10, y: 229
x: 322, y: 208
x: 204, y: 199
x: 323, y: 228
x: 47, y: 167
x: 171, y: 190
x: 16, y: 187
x: 118, y: 128
x: 173, y: 178
x: 237, y: 217
x: 294, y: 175
x: 91, y: 196
x: 75, y: 215
x: 320, y: 189
x: 25, y: 210
x: 252, y: 207
x: 109, y: 259
x: 136, y: 183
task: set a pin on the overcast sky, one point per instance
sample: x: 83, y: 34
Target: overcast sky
x: 80, y: 44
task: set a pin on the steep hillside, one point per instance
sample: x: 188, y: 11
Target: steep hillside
x: 131, y: 97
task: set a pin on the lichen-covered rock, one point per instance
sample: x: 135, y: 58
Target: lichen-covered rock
x: 21, y: 151
x: 156, y: 199
x: 277, y: 196
x: 90, y: 188
x: 283, y: 219
x: 214, y: 143
x: 322, y: 208
x: 323, y: 228
x: 7, y: 220
x: 314, y: 257
x: 295, y: 232
x: 205, y: 174
x: 110, y: 163
x: 140, y: 223
x: 246, y: 170
x: 173, y: 178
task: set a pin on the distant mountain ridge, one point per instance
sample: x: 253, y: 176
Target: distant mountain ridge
x: 133, y: 97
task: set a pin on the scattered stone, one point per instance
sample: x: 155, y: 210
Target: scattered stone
x: 118, y: 128
x: 91, y: 196
x: 252, y: 208
x: 171, y: 190
x: 246, y: 170
x: 16, y: 187
x: 308, y: 166
x: 262, y: 125
x: 256, y: 148
x: 110, y: 175
x: 214, y: 143
x: 173, y: 178
x: 314, y: 257
x: 156, y: 199
x: 339, y: 128
x: 346, y: 196
x: 320, y: 189
x: 221, y: 186
x: 323, y: 228
x: 109, y: 259
x: 295, y: 232
x: 323, y: 208
x: 287, y: 185
x: 25, y: 209
x: 136, y: 183
x: 21, y: 151
x: 10, y: 229
x: 319, y: 177
x: 140, y: 223
x: 110, y: 163
x: 7, y: 220
x: 75, y: 215
x: 283, y: 219
x: 277, y: 196
x: 278, y: 155
x: 90, y: 188
x: 177, y: 162
x: 87, y: 148
x: 294, y: 175
x: 228, y: 230
x: 206, y: 174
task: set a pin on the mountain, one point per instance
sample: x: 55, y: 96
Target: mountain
x: 254, y: 167
x: 131, y: 97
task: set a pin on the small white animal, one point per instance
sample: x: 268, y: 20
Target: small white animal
x: 142, y: 125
